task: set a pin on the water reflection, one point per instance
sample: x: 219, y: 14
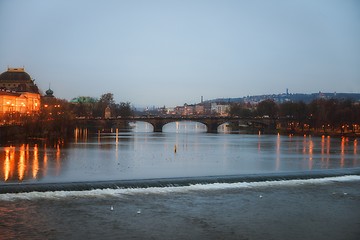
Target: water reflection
x: 36, y: 162
x: 45, y: 161
x: 81, y: 134
x: 325, y: 150
x: 355, y: 147
x: 311, y: 149
x: 25, y: 162
x: 342, y: 152
x: 112, y: 154
x: 278, y: 144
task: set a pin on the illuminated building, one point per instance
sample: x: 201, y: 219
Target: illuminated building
x: 18, y: 92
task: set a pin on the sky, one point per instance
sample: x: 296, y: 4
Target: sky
x: 171, y: 52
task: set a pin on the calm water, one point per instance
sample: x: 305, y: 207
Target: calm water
x: 182, y: 150
x: 325, y: 208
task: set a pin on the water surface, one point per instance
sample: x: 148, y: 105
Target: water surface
x: 182, y: 150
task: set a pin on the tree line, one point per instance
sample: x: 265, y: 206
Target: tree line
x: 96, y: 108
x: 319, y: 115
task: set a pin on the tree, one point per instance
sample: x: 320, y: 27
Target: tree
x: 239, y: 110
x: 267, y: 108
x: 83, y: 106
x: 106, y: 100
x: 123, y: 109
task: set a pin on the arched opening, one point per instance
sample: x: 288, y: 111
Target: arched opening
x: 184, y: 127
x: 139, y: 126
x: 225, y: 128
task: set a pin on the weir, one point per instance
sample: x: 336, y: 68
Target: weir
x: 173, y: 182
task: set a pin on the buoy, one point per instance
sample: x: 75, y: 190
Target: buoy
x: 139, y: 211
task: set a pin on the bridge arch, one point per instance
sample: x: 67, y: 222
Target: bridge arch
x: 184, y: 126
x: 224, y: 127
x: 211, y: 124
x: 141, y: 126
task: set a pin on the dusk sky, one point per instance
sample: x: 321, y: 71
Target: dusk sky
x: 171, y: 52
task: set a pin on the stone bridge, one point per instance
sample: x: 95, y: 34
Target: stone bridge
x: 211, y: 122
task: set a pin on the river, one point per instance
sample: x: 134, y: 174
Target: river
x: 184, y: 150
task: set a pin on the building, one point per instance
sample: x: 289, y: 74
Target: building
x: 220, y: 109
x: 18, y: 92
x: 107, y: 113
x: 49, y: 93
x: 199, y: 109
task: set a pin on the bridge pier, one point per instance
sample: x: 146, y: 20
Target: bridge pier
x: 212, y: 127
x: 158, y: 127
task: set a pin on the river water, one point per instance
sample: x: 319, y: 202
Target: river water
x: 182, y: 150
x: 294, y: 209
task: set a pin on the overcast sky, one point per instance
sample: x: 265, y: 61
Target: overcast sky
x: 172, y: 52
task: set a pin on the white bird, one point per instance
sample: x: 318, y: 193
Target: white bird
x: 111, y: 208
x: 139, y: 211
x: 260, y: 196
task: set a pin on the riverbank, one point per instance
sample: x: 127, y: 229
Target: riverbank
x: 336, y: 134
x: 39, y: 132
x: 51, y: 131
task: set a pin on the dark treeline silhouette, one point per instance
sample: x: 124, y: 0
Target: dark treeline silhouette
x: 96, y: 108
x: 320, y: 115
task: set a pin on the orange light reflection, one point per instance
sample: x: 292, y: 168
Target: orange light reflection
x: 278, y: 152
x: 7, y: 167
x: 21, y: 164
x: 355, y: 146
x: 58, y: 161
x: 311, y: 148
x: 45, y: 161
x: 35, y: 165
x: 322, y: 147
x: 342, y: 159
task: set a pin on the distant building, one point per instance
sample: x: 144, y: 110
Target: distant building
x: 220, y: 109
x: 188, y: 110
x: 107, y: 114
x: 199, y: 109
x: 84, y: 99
x: 18, y: 92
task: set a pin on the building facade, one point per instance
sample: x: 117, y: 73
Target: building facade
x: 18, y: 92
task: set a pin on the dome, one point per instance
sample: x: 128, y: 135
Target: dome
x: 16, y: 79
x: 15, y: 75
x: 49, y: 93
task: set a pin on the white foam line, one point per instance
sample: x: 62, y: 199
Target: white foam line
x: 163, y: 190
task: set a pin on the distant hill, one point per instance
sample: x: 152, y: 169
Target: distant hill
x: 292, y: 97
